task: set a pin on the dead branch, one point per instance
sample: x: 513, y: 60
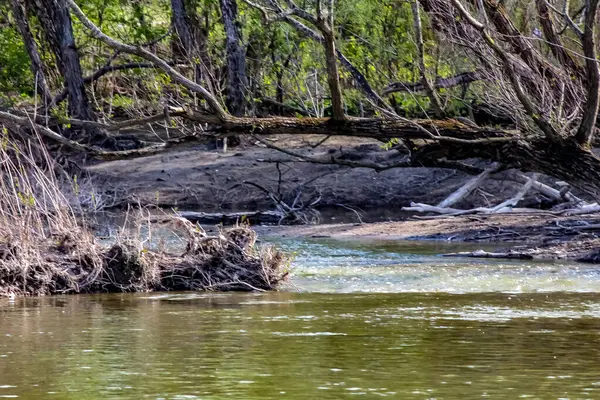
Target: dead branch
x: 510, y: 255
x: 468, y: 187
x: 439, y: 83
x: 106, y: 69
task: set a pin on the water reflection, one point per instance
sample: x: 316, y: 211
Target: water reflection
x: 301, y: 345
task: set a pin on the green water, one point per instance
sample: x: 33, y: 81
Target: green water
x: 371, y: 320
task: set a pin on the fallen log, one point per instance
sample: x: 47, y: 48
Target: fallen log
x: 468, y: 187
x: 253, y: 217
x: 421, y: 207
x: 511, y: 255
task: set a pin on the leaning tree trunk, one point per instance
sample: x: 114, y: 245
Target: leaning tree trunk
x: 55, y: 20
x: 236, y: 60
x: 37, y: 66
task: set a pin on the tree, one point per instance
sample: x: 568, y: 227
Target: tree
x: 237, y: 81
x: 55, y: 20
x: 550, y: 94
x: 190, y: 38
x: 37, y: 66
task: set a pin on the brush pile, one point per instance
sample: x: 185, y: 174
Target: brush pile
x: 76, y: 264
x: 46, y: 247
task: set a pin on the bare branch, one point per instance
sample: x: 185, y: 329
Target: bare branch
x: 439, y: 83
x: 145, y: 54
x: 336, y: 161
x: 436, y: 103
x: 527, y: 103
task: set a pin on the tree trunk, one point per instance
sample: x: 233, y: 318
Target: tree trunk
x: 590, y: 114
x: 190, y: 39
x: 55, y: 20
x: 236, y: 60
x: 37, y: 66
x: 436, y: 102
x: 333, y: 76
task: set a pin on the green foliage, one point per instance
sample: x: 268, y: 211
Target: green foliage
x: 375, y: 35
x: 16, y: 79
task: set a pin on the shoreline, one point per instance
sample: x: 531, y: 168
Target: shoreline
x: 539, y: 236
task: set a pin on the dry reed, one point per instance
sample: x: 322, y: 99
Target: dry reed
x: 46, y: 247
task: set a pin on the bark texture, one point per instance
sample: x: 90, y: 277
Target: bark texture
x: 590, y: 113
x: 55, y: 20
x: 237, y: 81
x: 189, y: 41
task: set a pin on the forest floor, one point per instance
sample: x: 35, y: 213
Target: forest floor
x: 199, y: 177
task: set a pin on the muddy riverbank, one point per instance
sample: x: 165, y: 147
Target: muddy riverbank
x: 202, y: 178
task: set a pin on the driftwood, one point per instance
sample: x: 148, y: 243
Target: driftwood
x: 584, y: 209
x: 504, y: 207
x: 517, y: 198
x: 512, y: 255
x: 558, y: 195
x: 255, y: 217
x: 507, y: 206
x: 421, y: 207
x: 468, y: 187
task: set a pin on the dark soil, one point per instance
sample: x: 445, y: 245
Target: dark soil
x: 202, y: 178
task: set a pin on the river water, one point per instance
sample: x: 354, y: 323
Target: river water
x: 360, y: 319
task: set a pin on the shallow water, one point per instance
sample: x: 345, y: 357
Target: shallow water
x: 362, y: 319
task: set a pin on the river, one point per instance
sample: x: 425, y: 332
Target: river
x: 368, y: 319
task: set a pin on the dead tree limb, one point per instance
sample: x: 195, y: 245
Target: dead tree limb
x: 439, y: 83
x: 107, y: 69
x: 510, y: 255
x: 512, y: 202
x: 468, y: 187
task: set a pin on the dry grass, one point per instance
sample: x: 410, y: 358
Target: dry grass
x: 46, y: 247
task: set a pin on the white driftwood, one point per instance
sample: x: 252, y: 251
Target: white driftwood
x: 504, y: 207
x: 584, y: 209
x: 421, y: 207
x: 517, y: 198
x: 468, y: 187
x: 544, y: 189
